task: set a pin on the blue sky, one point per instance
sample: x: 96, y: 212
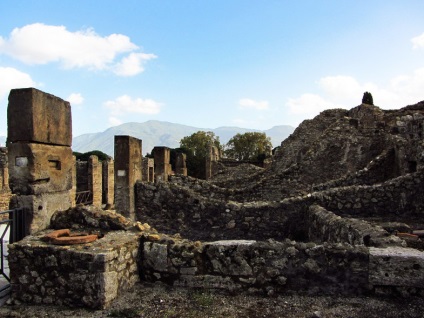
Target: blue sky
x: 211, y: 63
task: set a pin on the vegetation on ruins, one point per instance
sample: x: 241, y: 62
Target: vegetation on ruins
x: 367, y: 99
x: 196, y: 147
x: 86, y: 155
x: 254, y: 146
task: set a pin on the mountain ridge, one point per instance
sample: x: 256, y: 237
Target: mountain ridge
x: 163, y: 133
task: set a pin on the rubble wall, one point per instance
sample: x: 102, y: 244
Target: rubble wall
x: 88, y: 275
x: 258, y: 266
x: 202, y: 211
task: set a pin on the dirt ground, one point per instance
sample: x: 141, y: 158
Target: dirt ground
x: 147, y: 300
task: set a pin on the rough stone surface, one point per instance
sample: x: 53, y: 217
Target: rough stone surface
x: 88, y: 275
x: 394, y: 266
x: 82, y: 217
x: 128, y: 166
x: 35, y: 116
x: 40, y: 208
x: 39, y: 168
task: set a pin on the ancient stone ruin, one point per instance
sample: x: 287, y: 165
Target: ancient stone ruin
x: 339, y: 210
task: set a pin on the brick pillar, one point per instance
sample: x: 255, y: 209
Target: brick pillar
x: 162, y: 166
x: 108, y: 183
x: 128, y: 169
x: 95, y: 179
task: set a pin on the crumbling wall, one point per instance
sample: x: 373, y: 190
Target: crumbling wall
x: 288, y: 266
x: 205, y: 213
x: 87, y: 275
x: 268, y: 267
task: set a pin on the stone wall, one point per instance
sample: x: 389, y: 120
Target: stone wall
x: 288, y: 266
x: 88, y: 275
x: 203, y: 211
x: 268, y: 267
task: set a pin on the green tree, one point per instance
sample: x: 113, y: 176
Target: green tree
x: 196, y: 147
x: 249, y: 146
x: 367, y: 99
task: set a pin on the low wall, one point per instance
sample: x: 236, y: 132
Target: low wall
x: 257, y: 266
x: 92, y: 275
x: 88, y: 275
x: 289, y: 266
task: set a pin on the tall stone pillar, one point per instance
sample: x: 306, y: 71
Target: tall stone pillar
x: 211, y: 159
x: 148, y: 169
x: 128, y: 169
x: 95, y: 179
x: 180, y: 164
x: 40, y: 155
x: 162, y: 163
x: 108, y: 183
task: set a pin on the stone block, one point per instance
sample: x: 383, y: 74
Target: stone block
x: 396, y: 266
x: 40, y: 208
x: 39, y: 168
x: 35, y: 116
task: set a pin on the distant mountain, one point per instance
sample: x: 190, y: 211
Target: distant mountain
x: 159, y: 133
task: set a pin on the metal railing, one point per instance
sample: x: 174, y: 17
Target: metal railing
x: 84, y: 197
x: 15, y: 226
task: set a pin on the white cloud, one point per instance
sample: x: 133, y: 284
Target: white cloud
x: 253, y: 104
x: 125, y: 104
x: 132, y: 64
x: 418, y: 41
x: 75, y: 99
x: 40, y: 44
x: 12, y: 78
x: 113, y: 121
x: 346, y: 92
x: 308, y: 104
x: 409, y: 87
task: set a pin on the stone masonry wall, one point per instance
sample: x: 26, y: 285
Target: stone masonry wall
x: 273, y: 267
x: 173, y: 208
x: 268, y: 267
x: 88, y: 275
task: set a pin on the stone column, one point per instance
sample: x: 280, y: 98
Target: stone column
x: 162, y: 163
x: 108, y: 183
x: 73, y: 191
x: 180, y: 164
x: 95, y: 180
x: 128, y: 169
x: 40, y: 155
x: 211, y: 159
x: 148, y: 169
